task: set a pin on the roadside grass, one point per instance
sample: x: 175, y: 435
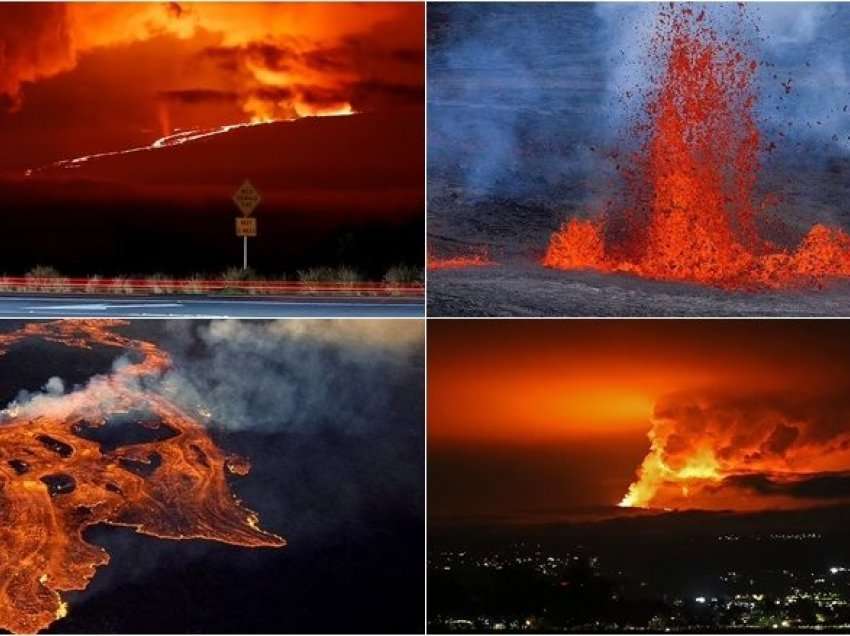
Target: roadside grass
x: 343, y: 278
x: 402, y: 275
x: 315, y: 277
x: 47, y: 279
x: 120, y: 285
x: 405, y: 275
x: 160, y: 284
x: 193, y: 284
x: 94, y: 285
x: 239, y: 275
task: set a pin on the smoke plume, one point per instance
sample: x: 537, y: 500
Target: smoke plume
x: 254, y: 48
x: 328, y: 412
x: 294, y: 375
x: 725, y: 450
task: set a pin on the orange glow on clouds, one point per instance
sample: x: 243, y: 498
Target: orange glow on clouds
x: 204, y: 63
x: 496, y: 404
x: 735, y: 416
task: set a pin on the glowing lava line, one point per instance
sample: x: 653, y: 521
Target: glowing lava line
x: 179, y: 138
x: 481, y: 258
x: 176, y: 139
x: 57, y: 479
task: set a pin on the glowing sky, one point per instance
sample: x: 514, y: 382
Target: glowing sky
x: 82, y: 78
x: 744, y: 414
x: 124, y: 124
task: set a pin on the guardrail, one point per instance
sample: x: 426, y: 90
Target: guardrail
x: 130, y: 286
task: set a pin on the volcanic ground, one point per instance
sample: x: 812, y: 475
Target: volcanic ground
x: 515, y: 234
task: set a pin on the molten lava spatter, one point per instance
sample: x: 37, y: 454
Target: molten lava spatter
x: 56, y: 480
x: 690, y: 210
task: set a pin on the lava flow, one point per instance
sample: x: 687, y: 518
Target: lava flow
x: 57, y: 479
x: 179, y: 138
x: 479, y: 259
x: 689, y: 212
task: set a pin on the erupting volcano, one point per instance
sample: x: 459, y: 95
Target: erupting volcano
x: 127, y: 125
x: 685, y: 415
x: 58, y: 476
x: 689, y: 209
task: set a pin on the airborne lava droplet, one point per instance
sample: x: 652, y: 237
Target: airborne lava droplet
x: 68, y: 483
x: 689, y: 212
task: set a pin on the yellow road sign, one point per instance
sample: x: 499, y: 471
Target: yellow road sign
x: 247, y: 198
x: 246, y: 226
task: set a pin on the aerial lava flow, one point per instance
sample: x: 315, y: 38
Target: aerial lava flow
x: 689, y: 210
x: 61, y: 471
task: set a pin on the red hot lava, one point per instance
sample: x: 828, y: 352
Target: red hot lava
x: 481, y: 258
x: 690, y: 210
x: 56, y: 481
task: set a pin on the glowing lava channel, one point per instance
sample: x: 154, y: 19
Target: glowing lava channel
x: 182, y: 137
x: 481, y: 258
x: 57, y: 480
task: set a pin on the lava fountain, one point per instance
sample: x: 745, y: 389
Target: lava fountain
x: 56, y: 479
x: 689, y: 212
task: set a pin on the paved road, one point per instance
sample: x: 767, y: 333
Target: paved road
x: 61, y: 306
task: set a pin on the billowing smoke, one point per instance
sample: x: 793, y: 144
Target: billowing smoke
x: 807, y: 94
x: 328, y: 412
x: 724, y: 450
x: 35, y: 42
x: 277, y: 376
x: 513, y: 92
x: 294, y: 375
x: 326, y: 60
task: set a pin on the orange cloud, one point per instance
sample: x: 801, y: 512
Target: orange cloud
x: 717, y: 450
x: 281, y: 60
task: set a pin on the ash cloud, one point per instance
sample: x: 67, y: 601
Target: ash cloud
x: 808, y: 80
x: 504, y: 83
x: 774, y: 444
x: 36, y: 400
x: 387, y: 74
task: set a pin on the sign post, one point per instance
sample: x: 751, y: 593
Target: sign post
x: 246, y: 198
